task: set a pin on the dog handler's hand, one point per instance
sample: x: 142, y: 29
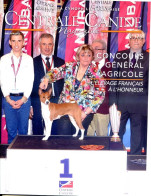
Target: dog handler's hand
x: 44, y: 83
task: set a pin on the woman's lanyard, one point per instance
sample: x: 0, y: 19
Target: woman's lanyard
x: 13, y: 66
x: 47, y: 69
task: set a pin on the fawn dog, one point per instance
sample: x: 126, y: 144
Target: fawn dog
x: 52, y: 111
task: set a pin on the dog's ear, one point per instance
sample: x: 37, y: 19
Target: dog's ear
x: 40, y: 91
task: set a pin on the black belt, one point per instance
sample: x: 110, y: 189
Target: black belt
x: 17, y: 94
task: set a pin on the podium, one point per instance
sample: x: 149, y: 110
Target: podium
x: 62, y: 166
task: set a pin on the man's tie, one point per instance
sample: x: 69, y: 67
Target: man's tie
x: 97, y: 65
x: 133, y: 60
x: 47, y: 63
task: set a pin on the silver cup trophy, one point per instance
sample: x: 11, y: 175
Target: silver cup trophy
x: 115, y: 117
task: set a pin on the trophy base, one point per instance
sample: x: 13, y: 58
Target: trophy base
x: 115, y: 138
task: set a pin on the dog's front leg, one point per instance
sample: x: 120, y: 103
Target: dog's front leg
x: 48, y: 125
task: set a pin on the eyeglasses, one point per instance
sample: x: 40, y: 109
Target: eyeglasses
x: 136, y: 38
x: 98, y: 49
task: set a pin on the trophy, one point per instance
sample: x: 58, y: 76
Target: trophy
x: 115, y: 117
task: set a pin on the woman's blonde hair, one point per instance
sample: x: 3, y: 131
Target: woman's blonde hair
x: 85, y: 48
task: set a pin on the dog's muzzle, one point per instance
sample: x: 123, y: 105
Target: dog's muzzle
x: 47, y: 102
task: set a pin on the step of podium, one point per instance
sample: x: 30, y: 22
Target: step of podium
x: 60, y: 166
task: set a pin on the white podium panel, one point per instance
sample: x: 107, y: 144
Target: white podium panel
x: 3, y: 169
x: 65, y: 172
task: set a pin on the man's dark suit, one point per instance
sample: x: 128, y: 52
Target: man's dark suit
x: 37, y: 122
x: 132, y: 105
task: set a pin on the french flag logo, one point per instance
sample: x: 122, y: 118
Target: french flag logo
x: 65, y: 184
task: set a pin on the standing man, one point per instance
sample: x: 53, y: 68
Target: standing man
x: 100, y: 121
x: 17, y: 77
x: 131, y: 96
x: 42, y: 64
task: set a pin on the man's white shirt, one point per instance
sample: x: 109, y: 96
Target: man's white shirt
x: 24, y: 77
